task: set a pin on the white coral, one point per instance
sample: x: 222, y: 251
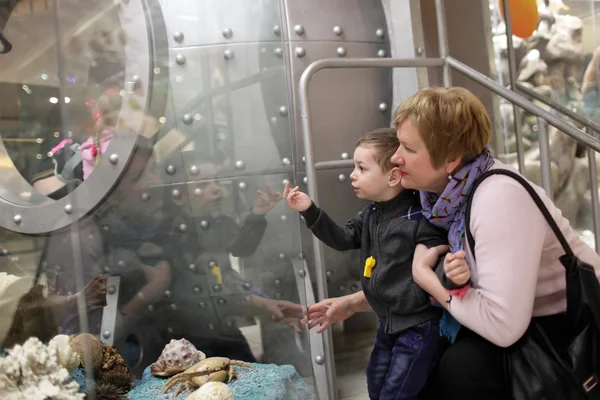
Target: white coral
x: 32, y: 372
x: 67, y: 357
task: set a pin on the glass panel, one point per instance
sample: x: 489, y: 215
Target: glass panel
x: 192, y: 242
x: 558, y: 61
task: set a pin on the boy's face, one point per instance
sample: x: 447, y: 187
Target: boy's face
x: 369, y: 181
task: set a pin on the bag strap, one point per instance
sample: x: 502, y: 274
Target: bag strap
x: 536, y: 198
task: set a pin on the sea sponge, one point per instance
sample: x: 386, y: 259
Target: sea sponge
x: 86, y: 343
x: 114, y: 369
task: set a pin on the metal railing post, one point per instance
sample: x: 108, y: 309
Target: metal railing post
x: 594, y: 192
x: 544, y: 143
x: 512, y: 75
x: 442, y: 31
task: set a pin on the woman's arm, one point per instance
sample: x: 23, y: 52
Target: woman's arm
x: 509, y: 232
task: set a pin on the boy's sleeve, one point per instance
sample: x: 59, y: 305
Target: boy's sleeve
x: 341, y: 238
x: 430, y: 235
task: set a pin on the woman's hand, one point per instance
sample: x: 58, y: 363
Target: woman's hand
x: 337, y: 309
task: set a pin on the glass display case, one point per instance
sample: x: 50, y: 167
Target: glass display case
x: 557, y: 62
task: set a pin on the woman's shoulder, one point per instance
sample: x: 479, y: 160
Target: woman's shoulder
x: 495, y: 187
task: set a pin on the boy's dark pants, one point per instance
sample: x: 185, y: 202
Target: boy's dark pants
x: 401, y: 363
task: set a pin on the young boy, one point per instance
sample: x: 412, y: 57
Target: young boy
x: 387, y: 232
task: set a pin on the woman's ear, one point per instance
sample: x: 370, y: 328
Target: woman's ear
x: 395, y: 177
x: 452, y: 165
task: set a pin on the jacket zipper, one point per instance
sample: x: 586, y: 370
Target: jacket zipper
x: 376, y: 250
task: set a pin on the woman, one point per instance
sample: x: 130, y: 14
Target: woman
x: 444, y: 136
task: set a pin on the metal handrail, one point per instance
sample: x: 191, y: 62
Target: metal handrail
x: 525, y: 104
x: 558, y: 107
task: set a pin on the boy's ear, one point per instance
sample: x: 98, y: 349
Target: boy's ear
x: 395, y: 177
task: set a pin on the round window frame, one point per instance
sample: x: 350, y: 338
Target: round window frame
x: 90, y: 194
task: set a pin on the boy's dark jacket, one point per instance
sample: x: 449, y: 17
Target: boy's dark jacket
x: 389, y: 232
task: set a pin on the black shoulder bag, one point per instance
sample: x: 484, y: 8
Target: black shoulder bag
x: 536, y: 368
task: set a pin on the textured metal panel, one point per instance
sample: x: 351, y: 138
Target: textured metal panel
x: 345, y: 104
x: 220, y: 104
x: 359, y: 20
x: 196, y: 23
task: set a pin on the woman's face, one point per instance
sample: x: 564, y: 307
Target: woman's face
x: 415, y: 164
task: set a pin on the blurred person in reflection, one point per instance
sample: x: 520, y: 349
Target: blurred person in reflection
x: 387, y: 231
x: 207, y: 295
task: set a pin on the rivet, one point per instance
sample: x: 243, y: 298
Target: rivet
x: 239, y: 165
x: 305, y: 180
x: 171, y: 170
x: 145, y: 197
x: 182, y: 228
x: 227, y: 33
x: 277, y: 30
x: 188, y: 119
x: 150, y: 308
x: 192, y: 267
x: 304, y: 159
x: 170, y: 330
x: 106, y: 334
x: 341, y: 288
x: 341, y: 51
x: 286, y: 161
x: 273, y: 120
x: 341, y: 178
x: 229, y: 323
x: 242, y: 186
x: 202, y: 304
x: 4, y: 252
x: 121, y: 264
x: 178, y: 36
x: 345, y: 156
x: 281, y: 256
x: 194, y: 170
x: 285, y: 182
x: 380, y: 33
x: 328, y: 273
x: 420, y: 51
x: 278, y: 296
x: 302, y: 219
x: 198, y: 192
x: 106, y: 228
x: 247, y: 285
x: 113, y: 158
x: 211, y: 327
x: 204, y: 224
x: 338, y: 30
x: 301, y: 255
x: 111, y: 289
x: 167, y: 293
x: 176, y: 194
x: 217, y: 288
x: 197, y: 290
x: 300, y: 52
x: 222, y: 302
x: 299, y: 29
x: 212, y: 264
x: 68, y: 208
x: 277, y: 282
x: 381, y: 53
x: 283, y: 111
x: 383, y: 107
x: 302, y: 273
x: 284, y: 218
x: 278, y: 52
x: 173, y: 306
x: 180, y: 59
x: 228, y: 55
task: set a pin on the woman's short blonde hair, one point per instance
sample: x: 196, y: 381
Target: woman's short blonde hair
x: 452, y: 122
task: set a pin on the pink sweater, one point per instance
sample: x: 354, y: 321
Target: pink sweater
x: 517, y: 274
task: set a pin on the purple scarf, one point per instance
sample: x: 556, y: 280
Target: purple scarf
x: 448, y: 211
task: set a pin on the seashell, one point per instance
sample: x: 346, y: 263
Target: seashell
x: 86, y: 343
x: 176, y: 357
x: 212, y: 391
